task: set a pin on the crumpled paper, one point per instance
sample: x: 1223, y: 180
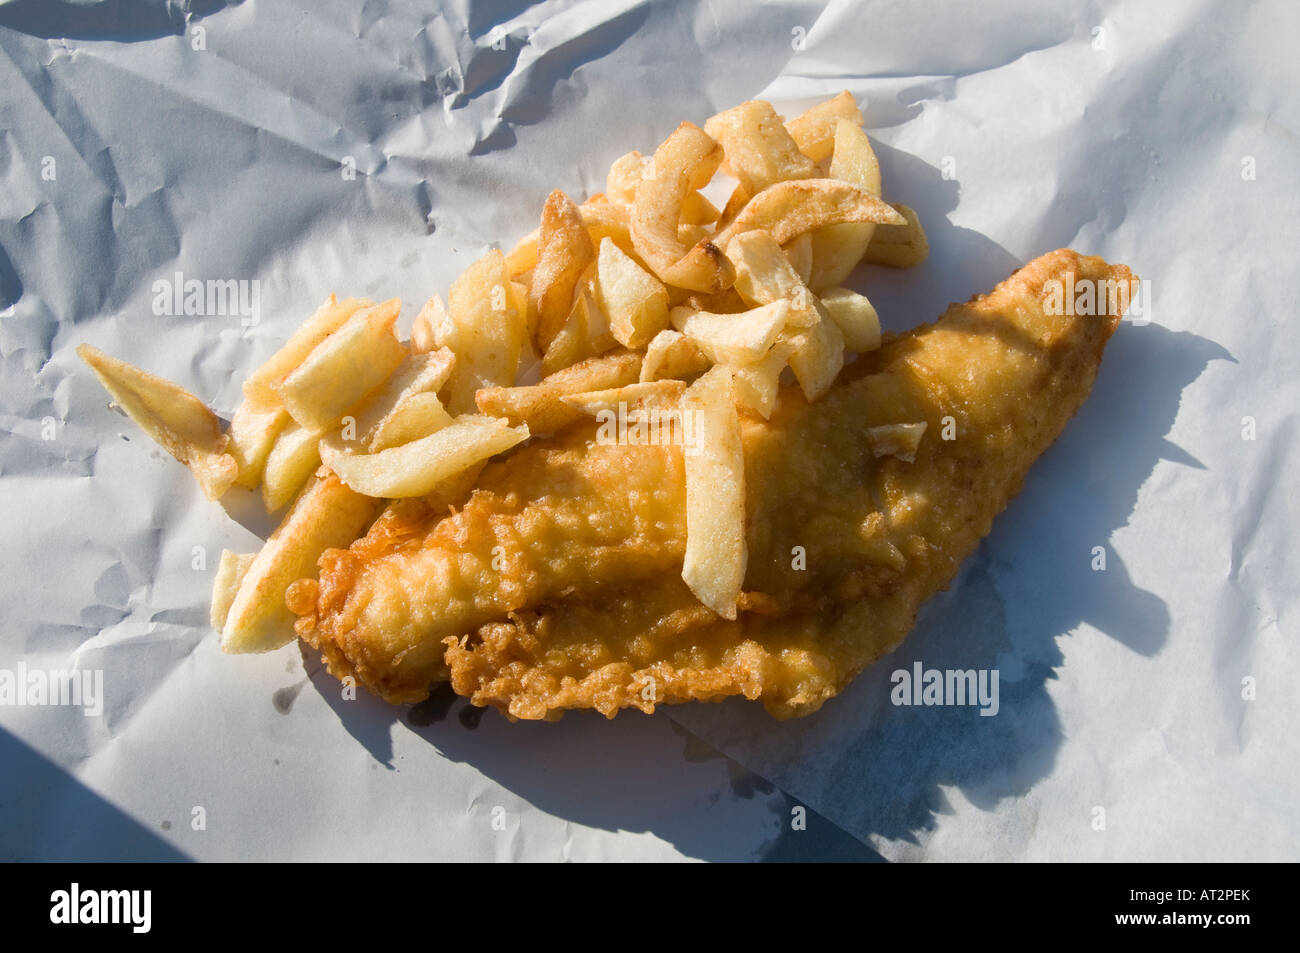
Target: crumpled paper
x: 377, y: 150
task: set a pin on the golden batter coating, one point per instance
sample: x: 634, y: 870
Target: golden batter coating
x: 558, y: 584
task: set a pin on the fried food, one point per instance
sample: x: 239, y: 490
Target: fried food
x: 325, y: 514
x: 635, y: 301
x: 759, y: 150
x: 856, y: 317
x: 558, y: 584
x: 684, y: 162
x: 711, y: 532
x: 837, y: 249
x: 486, y: 327
x: 540, y: 406
x: 172, y: 416
x: 254, y: 429
x: 814, y: 131
x: 289, y: 465
x: 416, y: 468
x: 739, y: 338
x: 899, y: 246
x: 345, y: 367
x: 564, y: 250
x: 713, y: 566
x: 263, y: 385
x: 789, y: 209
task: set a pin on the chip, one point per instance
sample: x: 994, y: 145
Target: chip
x: 177, y: 420
x: 344, y: 367
x: 716, y: 550
x: 788, y: 209
x: 759, y: 150
x: 686, y: 160
x: 856, y: 318
x: 564, y: 250
x: 326, y: 515
x: 634, y: 300
x: 814, y: 130
x: 416, y: 468
x: 734, y: 338
x: 489, y: 331
x: 540, y: 407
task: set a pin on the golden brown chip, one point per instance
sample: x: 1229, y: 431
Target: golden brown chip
x: 814, y: 130
x: 539, y: 405
x: 564, y: 250
x: 176, y: 419
x: 759, y: 149
x: 899, y: 246
x: 788, y: 209
x: 687, y: 157
x: 489, y: 331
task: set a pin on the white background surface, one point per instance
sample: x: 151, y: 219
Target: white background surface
x: 1121, y: 129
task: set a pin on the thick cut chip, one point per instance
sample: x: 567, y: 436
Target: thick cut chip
x: 690, y: 235
x: 739, y: 198
x: 814, y: 130
x: 686, y: 160
x: 263, y: 385
x: 904, y: 246
x: 517, y: 291
x: 719, y: 302
x: 856, y: 318
x: 177, y: 420
x: 799, y: 251
x: 734, y: 338
x: 523, y: 257
x: 253, y: 430
x: 759, y: 149
x: 417, y: 416
x: 757, y: 384
x: 788, y: 209
x: 631, y: 398
x: 432, y: 327
x: 423, y: 373
x: 837, y: 249
x: 625, y: 176
x: 817, y: 356
x: 564, y: 251
x: 672, y: 354
x: 853, y: 159
x: 634, y: 300
x: 230, y: 572
x: 606, y: 219
x: 573, y: 343
x: 716, y: 552
x: 326, y: 515
x: 764, y: 275
x: 343, y: 368
x: 489, y: 331
x: 429, y: 326
x: 416, y: 468
x: 539, y: 405
x: 292, y: 461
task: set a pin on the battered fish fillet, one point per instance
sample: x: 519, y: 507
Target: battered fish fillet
x: 558, y: 584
